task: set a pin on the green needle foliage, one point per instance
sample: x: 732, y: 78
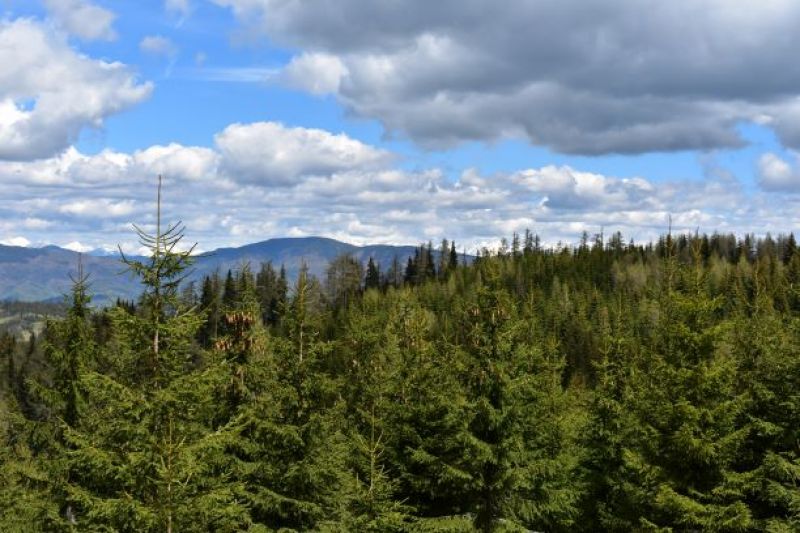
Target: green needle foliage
x: 136, y: 462
x: 602, y: 387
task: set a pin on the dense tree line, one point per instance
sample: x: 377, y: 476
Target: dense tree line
x: 609, y: 386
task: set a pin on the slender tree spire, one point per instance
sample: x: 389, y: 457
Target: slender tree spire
x: 161, y: 274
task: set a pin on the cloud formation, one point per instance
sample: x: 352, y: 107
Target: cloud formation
x: 83, y: 19
x: 778, y: 175
x: 268, y: 153
x: 314, y: 73
x: 609, y: 76
x: 49, y: 92
x: 158, y: 45
x: 264, y: 180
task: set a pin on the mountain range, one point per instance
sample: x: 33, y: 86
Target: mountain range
x: 44, y: 274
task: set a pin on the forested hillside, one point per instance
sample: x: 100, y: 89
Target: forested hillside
x: 40, y: 274
x: 611, y: 386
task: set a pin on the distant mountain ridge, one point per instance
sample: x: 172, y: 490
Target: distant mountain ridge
x: 43, y: 274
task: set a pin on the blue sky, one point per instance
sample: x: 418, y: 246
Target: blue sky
x: 397, y: 122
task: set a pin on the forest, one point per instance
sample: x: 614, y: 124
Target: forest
x: 607, y: 386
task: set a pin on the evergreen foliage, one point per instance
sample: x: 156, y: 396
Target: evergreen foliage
x: 611, y: 386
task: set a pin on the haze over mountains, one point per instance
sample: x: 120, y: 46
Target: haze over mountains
x: 40, y: 274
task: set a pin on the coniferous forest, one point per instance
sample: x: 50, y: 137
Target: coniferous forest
x: 610, y: 386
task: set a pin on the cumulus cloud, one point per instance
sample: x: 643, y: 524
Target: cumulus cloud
x: 121, y: 170
x: 83, y: 19
x: 266, y: 180
x: 191, y: 163
x: 777, y: 174
x: 49, y: 92
x: 270, y: 153
x: 315, y: 73
x: 566, y: 188
x: 608, y: 77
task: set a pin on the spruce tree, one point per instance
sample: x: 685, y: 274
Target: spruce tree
x: 8, y: 348
x: 521, y: 462
x: 26, y: 496
x: 70, y: 352
x: 688, y: 416
x: 210, y: 305
x: 766, y: 344
x: 137, y: 462
x: 290, y: 451
x: 369, y: 353
x: 427, y: 421
x: 373, y: 276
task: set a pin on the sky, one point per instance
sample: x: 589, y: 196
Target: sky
x: 397, y: 122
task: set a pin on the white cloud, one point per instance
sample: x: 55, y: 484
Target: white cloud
x: 72, y: 169
x: 83, y: 19
x: 100, y: 207
x: 76, y: 246
x: 36, y: 224
x: 269, y: 153
x: 158, y: 45
x: 177, y: 162
x: 566, y: 188
x: 49, y: 92
x: 16, y: 241
x: 314, y: 73
x: 297, y: 181
x: 777, y: 174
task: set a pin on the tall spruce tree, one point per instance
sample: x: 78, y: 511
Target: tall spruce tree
x: 69, y: 351
x: 766, y: 344
x: 369, y: 354
x: 688, y: 415
x: 521, y: 466
x: 290, y: 449
x: 137, y: 460
x: 427, y: 421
